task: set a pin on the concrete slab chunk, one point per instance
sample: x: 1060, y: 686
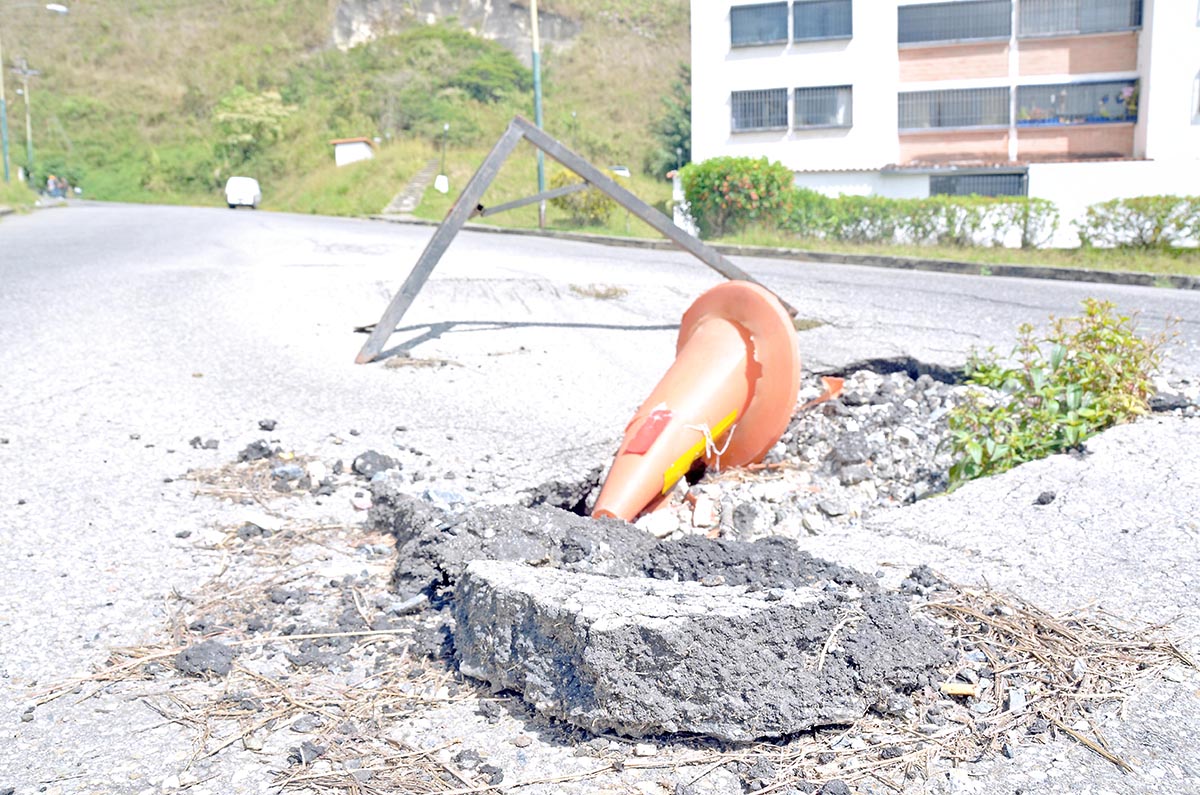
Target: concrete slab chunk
x: 643, y: 657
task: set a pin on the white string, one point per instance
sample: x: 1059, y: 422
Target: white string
x: 710, y: 445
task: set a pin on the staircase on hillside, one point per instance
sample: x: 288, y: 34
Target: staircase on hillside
x: 410, y: 196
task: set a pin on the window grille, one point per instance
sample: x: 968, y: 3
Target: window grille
x: 759, y: 110
x: 1067, y: 17
x: 961, y: 107
x: 828, y: 106
x: 959, y: 21
x: 765, y: 23
x: 979, y: 185
x: 821, y: 19
x: 1077, y: 103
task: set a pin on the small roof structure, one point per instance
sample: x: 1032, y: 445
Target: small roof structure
x: 367, y: 141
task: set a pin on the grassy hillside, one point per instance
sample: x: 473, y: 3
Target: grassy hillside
x: 161, y: 100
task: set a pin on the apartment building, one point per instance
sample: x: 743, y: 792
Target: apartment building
x: 1076, y: 101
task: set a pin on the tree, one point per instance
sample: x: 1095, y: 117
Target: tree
x: 672, y: 130
x: 248, y: 122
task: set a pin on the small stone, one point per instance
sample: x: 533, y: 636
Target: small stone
x: 712, y: 580
x: 288, y: 472
x: 413, y: 604
x: 195, y: 442
x: 354, y: 432
x: 522, y: 741
x: 854, y: 473
x: 27, y: 717
x: 706, y: 512
x: 1016, y: 700
x: 170, y: 783
x: 361, y: 502
x: 254, y: 451
x: 835, y: 787
x: 814, y: 523
x: 468, y: 759
x: 183, y: 534
x: 494, y: 774
x: 252, y: 742
x: 906, y: 436
x: 372, y: 462
x: 659, y: 524
x: 208, y: 657
x: 310, y: 752
x: 306, y: 723
x: 266, y: 425
x: 645, y: 749
x: 832, y: 507
x: 211, y: 444
x: 1045, y: 498
x: 134, y: 436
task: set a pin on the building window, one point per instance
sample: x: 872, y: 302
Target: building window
x: 958, y: 21
x: 1077, y: 103
x: 760, y: 110
x: 821, y: 19
x: 765, y: 23
x: 1069, y: 17
x: 979, y: 185
x: 828, y: 106
x: 960, y: 107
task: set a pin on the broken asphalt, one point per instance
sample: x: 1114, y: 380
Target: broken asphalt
x: 144, y: 327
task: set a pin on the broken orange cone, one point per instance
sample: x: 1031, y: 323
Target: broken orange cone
x: 727, y: 398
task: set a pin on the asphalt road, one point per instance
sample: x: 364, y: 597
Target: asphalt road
x: 125, y: 331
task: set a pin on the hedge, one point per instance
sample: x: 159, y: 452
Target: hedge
x: 1142, y: 222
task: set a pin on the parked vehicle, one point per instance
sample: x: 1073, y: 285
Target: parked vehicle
x: 242, y: 192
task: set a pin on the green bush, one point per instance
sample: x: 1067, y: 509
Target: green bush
x: 726, y: 194
x: 1141, y: 222
x: 937, y: 220
x: 1087, y: 374
x: 588, y: 207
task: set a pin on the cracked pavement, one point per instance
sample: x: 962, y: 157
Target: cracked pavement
x: 168, y: 322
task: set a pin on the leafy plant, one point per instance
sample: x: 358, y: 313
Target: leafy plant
x: 588, y: 207
x: 1141, y: 222
x: 249, y: 122
x: 726, y: 194
x: 1089, y: 373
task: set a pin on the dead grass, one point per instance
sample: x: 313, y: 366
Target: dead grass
x: 601, y: 292
x: 1068, y: 667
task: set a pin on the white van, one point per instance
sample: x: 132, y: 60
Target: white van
x: 242, y: 191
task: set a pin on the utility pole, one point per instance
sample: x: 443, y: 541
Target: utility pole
x: 3, y: 115
x: 57, y: 8
x: 24, y: 72
x: 537, y: 110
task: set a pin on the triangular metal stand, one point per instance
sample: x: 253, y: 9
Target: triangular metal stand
x: 467, y: 205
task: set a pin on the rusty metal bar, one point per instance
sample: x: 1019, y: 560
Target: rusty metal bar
x: 633, y: 204
x: 463, y: 207
x: 544, y: 196
x: 467, y: 205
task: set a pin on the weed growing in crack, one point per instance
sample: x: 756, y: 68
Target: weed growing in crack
x: 1089, y: 373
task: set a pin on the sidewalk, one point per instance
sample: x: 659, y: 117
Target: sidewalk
x: 1129, y: 278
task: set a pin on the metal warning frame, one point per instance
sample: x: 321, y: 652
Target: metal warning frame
x: 468, y: 205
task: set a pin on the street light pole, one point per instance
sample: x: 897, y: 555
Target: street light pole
x: 537, y: 109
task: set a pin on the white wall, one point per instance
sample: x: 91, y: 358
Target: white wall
x: 1169, y: 57
x: 868, y: 62
x: 1074, y: 186
x: 352, y: 153
x: 866, y: 183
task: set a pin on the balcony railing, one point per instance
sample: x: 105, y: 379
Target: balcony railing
x: 1077, y: 103
x: 1073, y: 17
x: 958, y: 107
x: 763, y: 23
x: 957, y: 21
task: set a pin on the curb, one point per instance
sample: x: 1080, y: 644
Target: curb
x: 1126, y: 278
x: 6, y: 211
